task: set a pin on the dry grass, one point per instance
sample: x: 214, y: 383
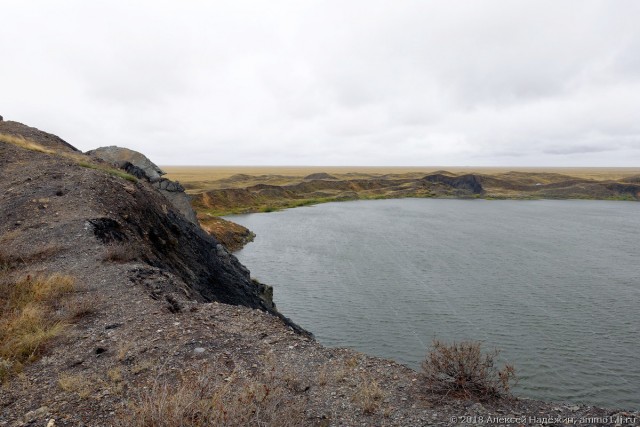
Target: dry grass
x: 142, y: 366
x: 462, y: 370
x: 6, y: 262
x: 79, y: 158
x: 32, y: 312
x: 323, y: 376
x: 205, y: 399
x: 84, y: 384
x: 80, y: 306
x: 369, y: 396
x: 353, y: 361
x: 341, y: 374
x: 115, y: 374
x: 80, y: 384
x: 121, y: 253
x: 203, y: 178
x: 10, y: 236
x: 11, y: 258
x: 123, y: 350
x: 117, y: 383
x: 24, y: 143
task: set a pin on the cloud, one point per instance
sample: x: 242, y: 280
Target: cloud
x: 349, y: 83
x: 578, y: 149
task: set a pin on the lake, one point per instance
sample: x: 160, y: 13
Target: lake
x: 554, y: 284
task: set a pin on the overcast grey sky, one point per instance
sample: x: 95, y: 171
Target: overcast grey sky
x: 349, y: 82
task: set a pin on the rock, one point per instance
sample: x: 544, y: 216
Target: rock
x: 125, y: 158
x: 138, y: 165
x: 320, y: 175
x: 266, y: 293
x: 35, y: 414
x: 168, y: 185
x: 134, y: 170
x: 632, y: 190
x: 51, y: 423
x: 1, y: 119
x: 477, y: 408
x: 221, y: 251
x: 198, y: 350
x: 467, y: 182
x: 174, y: 193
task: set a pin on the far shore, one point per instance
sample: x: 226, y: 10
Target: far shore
x: 215, y: 172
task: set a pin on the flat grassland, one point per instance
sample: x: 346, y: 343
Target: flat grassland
x: 203, y: 178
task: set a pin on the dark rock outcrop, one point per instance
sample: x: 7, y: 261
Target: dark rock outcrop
x: 467, y: 182
x: 123, y: 157
x: 320, y: 175
x: 174, y: 192
x: 134, y: 170
x: 635, y: 179
x: 138, y: 165
x: 632, y: 190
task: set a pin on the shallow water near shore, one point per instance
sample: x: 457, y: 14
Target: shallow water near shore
x: 554, y: 284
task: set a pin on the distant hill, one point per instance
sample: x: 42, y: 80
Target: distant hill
x: 263, y: 193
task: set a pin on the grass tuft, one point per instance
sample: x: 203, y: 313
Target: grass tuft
x: 76, y: 383
x: 368, y: 396
x: 204, y: 399
x: 123, y: 252
x: 24, y: 143
x: 30, y: 316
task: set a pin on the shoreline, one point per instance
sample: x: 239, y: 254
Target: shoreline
x: 306, y: 203
x: 327, y: 214
x: 243, y: 193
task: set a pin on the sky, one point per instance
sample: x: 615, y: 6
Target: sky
x: 371, y: 83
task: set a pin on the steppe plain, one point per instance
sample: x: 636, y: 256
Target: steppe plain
x: 223, y: 190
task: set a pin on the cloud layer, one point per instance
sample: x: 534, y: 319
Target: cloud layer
x: 527, y: 83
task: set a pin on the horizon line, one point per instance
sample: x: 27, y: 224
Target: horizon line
x: 397, y: 166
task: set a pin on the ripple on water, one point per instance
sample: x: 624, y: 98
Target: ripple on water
x: 554, y: 284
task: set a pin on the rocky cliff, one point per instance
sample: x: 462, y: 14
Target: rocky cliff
x: 138, y: 165
x: 78, y: 198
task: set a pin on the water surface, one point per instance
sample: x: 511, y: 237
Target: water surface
x: 554, y: 284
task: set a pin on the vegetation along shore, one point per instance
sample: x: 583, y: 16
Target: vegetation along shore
x: 219, y: 191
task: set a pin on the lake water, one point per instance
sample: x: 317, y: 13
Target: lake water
x: 554, y: 284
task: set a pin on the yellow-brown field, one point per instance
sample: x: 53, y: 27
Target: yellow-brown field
x: 203, y: 178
